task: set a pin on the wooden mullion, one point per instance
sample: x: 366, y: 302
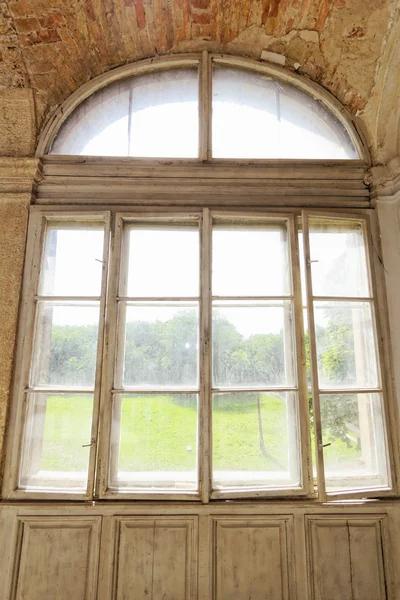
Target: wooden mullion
x: 205, y: 107
x: 110, y: 340
x: 314, y: 364
x: 205, y: 404
x: 301, y: 360
x: 95, y: 434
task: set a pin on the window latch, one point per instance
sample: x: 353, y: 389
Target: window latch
x: 92, y: 442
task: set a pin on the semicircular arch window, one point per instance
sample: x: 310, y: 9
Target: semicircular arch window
x: 156, y: 115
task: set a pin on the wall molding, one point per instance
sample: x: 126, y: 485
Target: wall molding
x: 384, y: 181
x: 19, y: 175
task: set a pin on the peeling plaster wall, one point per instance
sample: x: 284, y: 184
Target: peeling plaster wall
x: 382, y: 112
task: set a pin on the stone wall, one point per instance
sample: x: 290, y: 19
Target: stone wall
x: 16, y: 179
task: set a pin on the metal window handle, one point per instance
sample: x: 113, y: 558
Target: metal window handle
x: 93, y: 441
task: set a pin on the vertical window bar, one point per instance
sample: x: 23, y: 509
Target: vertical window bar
x: 305, y: 448
x: 92, y: 483
x: 390, y: 407
x: 205, y: 441
x: 110, y: 341
x: 314, y: 365
x: 205, y: 107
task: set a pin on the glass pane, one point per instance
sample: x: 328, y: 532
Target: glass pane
x: 252, y: 344
x: 154, y: 442
x: 338, y: 259
x: 250, y: 261
x: 162, y: 261
x: 72, y: 261
x: 155, y: 114
x: 345, y: 345
x: 65, y: 344
x: 56, y: 428
x: 255, y: 440
x: 255, y: 116
x: 352, y: 425
x: 161, y: 345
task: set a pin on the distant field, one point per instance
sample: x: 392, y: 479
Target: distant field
x: 159, y: 433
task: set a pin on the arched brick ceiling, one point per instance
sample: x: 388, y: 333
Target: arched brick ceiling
x: 54, y: 46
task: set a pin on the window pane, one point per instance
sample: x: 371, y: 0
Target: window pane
x: 338, y: 259
x: 162, y: 261
x: 161, y: 344
x: 255, y: 440
x: 250, y: 261
x: 352, y: 425
x: 65, y: 344
x: 345, y: 345
x: 154, y: 115
x: 252, y: 344
x: 255, y: 116
x: 56, y: 428
x: 72, y: 261
x: 154, y: 442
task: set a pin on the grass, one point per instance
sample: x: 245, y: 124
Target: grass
x: 159, y: 433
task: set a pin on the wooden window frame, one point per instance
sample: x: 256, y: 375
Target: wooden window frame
x: 98, y: 477
x: 103, y: 187
x: 204, y: 62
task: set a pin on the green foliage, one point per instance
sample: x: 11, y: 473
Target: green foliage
x: 164, y: 353
x: 337, y: 363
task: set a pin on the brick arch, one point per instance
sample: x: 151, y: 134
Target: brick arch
x: 55, y: 47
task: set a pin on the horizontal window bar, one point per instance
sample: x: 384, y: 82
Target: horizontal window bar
x: 332, y: 391
x: 224, y: 390
x: 342, y: 299
x: 60, y: 390
x: 251, y: 298
x: 67, y: 298
x: 173, y: 299
x: 130, y: 390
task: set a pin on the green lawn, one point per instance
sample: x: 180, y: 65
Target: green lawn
x: 159, y: 433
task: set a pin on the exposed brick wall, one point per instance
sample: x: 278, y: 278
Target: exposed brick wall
x: 54, y: 46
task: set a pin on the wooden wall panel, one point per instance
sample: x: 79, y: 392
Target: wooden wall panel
x: 251, y: 559
x: 346, y: 559
x: 57, y: 558
x: 156, y: 559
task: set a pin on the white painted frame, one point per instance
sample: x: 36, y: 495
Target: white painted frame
x: 377, y: 301
x: 98, y: 486
x: 34, y: 250
x: 204, y: 62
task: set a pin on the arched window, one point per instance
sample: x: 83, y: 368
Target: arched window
x: 251, y: 115
x: 196, y: 326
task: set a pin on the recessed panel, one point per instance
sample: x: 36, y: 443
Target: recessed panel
x: 59, y: 558
x: 346, y: 559
x: 156, y: 559
x: 251, y: 560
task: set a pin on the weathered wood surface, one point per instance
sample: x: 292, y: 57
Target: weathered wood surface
x: 266, y: 551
